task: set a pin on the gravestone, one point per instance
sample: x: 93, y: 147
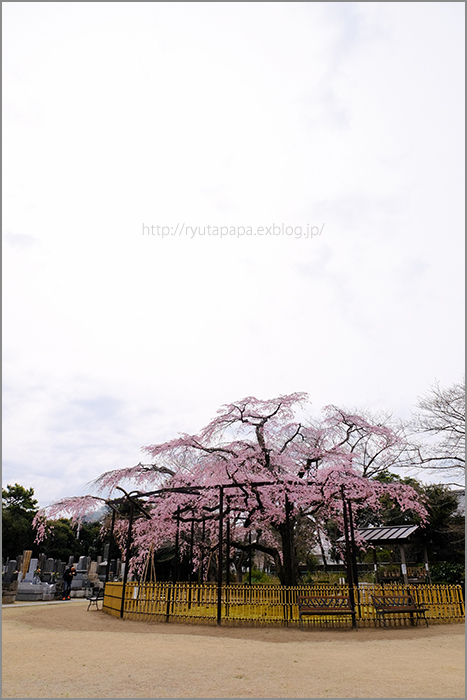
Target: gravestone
x: 78, y: 585
x: 82, y: 564
x: 30, y: 588
x: 49, y: 566
x: 102, y: 570
x: 60, y: 567
x: 10, y: 574
x: 48, y: 570
x: 30, y: 575
x: 9, y: 590
x: 92, y: 572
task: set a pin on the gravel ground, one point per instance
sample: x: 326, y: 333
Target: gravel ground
x: 64, y: 651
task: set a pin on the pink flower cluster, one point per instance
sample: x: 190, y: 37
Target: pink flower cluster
x: 271, y: 467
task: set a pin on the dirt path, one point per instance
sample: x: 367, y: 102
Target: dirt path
x: 61, y: 651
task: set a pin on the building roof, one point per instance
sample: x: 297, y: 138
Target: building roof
x: 396, y: 533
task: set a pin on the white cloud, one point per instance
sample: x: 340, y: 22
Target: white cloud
x: 119, y: 114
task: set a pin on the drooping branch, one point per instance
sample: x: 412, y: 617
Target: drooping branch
x: 277, y: 471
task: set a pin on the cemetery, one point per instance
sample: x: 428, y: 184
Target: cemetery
x: 41, y: 579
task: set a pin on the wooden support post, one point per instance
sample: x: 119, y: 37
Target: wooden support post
x: 375, y: 564
x: 107, y: 568
x: 169, y: 601
x: 127, y: 560
x: 177, y: 538
x: 403, y: 565
x: 190, y: 572
x: 288, y: 553
x: 427, y: 567
x: 192, y: 534
x: 201, y: 561
x: 227, y: 554
x: 348, y: 557
x: 219, y: 563
x: 353, y: 549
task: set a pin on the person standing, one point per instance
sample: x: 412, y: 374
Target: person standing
x: 68, y: 574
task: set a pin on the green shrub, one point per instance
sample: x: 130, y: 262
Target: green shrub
x: 448, y: 572
x: 258, y: 576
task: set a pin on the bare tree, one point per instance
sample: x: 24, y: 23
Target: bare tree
x: 441, y: 418
x: 385, y: 448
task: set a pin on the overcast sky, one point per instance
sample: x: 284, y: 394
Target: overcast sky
x: 341, y: 120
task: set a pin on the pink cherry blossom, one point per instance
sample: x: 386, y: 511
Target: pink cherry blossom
x: 275, y: 471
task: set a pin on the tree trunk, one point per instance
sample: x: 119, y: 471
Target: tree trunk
x: 288, y: 571
x: 238, y: 566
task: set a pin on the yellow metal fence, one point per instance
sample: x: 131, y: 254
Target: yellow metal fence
x: 271, y: 604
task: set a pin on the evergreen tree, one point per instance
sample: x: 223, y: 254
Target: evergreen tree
x: 18, y: 510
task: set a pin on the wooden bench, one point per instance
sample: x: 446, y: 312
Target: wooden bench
x: 400, y: 603
x: 324, y: 605
x: 94, y: 594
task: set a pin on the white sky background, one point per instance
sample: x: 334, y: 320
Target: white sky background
x: 223, y: 114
